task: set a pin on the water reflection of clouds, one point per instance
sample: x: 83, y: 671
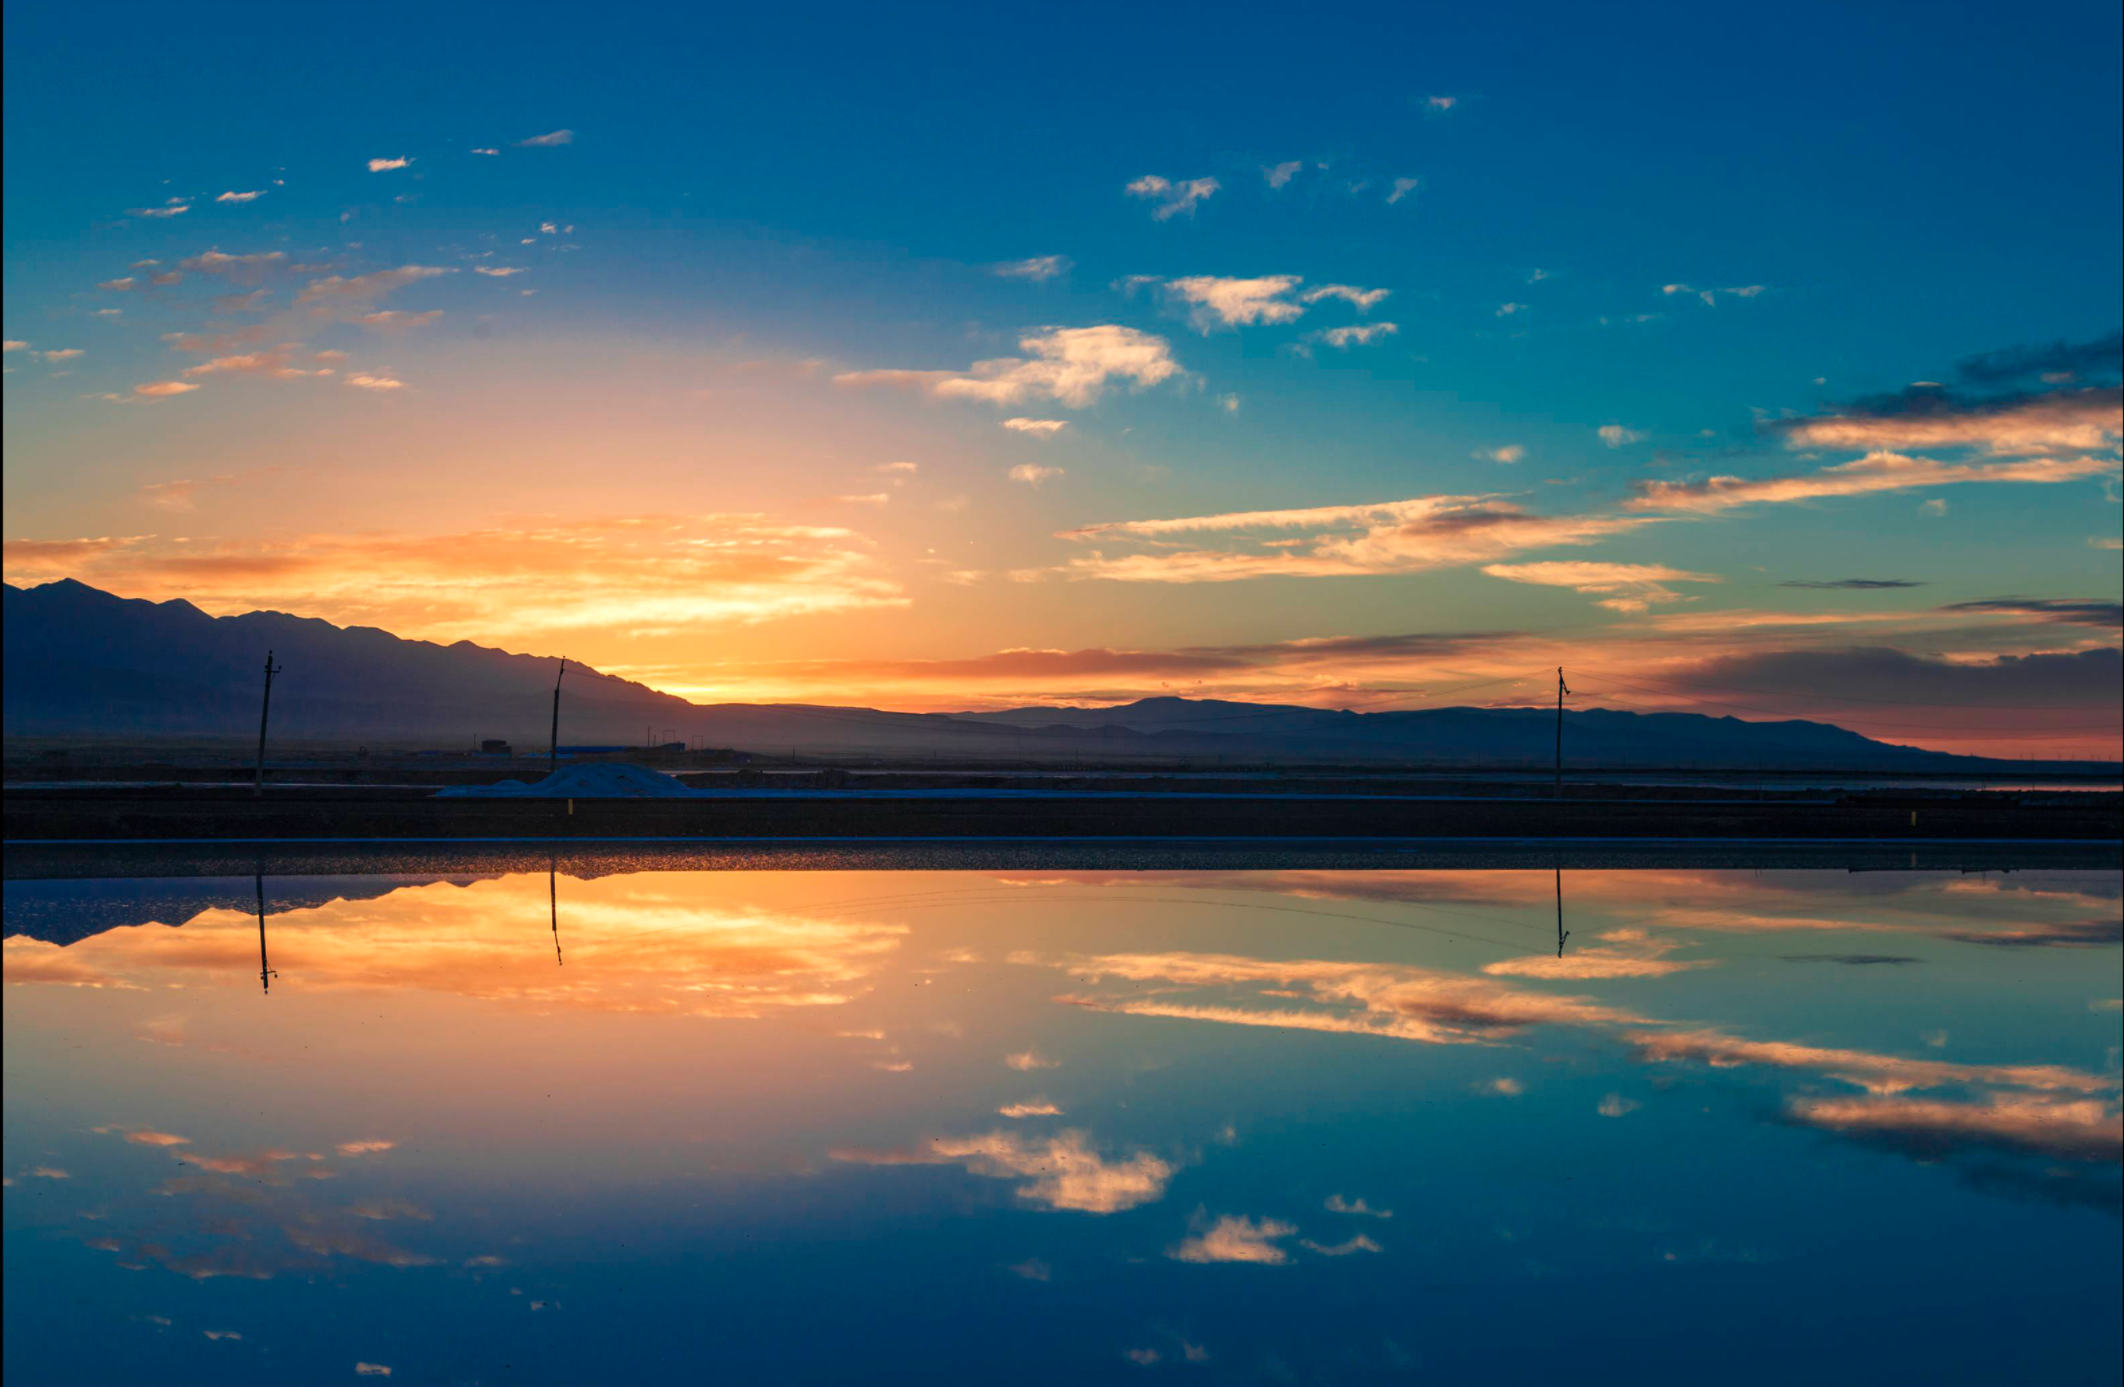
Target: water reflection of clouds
x: 1236, y: 1238
x: 633, y: 947
x: 1971, y: 910
x: 1875, y: 1073
x: 2076, y: 1130
x: 1626, y: 953
x: 260, y: 1215
x: 1064, y: 1171
x: 1394, y: 1000
x: 1926, y: 1108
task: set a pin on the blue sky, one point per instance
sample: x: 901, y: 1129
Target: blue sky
x: 752, y: 214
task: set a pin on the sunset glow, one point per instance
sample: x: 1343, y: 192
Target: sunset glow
x: 1358, y: 396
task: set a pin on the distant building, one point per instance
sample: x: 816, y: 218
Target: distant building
x: 493, y: 746
x: 671, y: 746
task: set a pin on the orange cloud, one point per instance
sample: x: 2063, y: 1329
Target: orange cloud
x: 519, y: 584
x: 1388, y: 537
x: 2083, y: 1130
x: 1876, y: 472
x: 2071, y: 420
x: 1236, y: 1238
x: 1073, y: 366
x: 1629, y: 587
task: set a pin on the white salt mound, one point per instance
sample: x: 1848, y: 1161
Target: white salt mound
x: 596, y: 780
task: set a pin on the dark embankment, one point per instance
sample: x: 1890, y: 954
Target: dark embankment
x: 39, y: 814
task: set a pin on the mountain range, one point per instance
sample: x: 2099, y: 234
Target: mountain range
x: 84, y: 663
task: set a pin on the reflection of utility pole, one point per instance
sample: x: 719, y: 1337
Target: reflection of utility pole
x: 553, y: 905
x: 265, y: 974
x: 1560, y: 692
x: 553, y: 754
x: 258, y: 785
x: 1561, y: 933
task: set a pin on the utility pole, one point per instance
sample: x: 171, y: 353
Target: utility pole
x: 553, y: 906
x: 1561, y: 933
x: 553, y: 752
x: 265, y: 974
x: 271, y: 669
x: 1560, y: 692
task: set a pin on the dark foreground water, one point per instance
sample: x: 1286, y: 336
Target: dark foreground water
x: 1024, y: 1125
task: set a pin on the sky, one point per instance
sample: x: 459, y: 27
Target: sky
x: 1755, y: 365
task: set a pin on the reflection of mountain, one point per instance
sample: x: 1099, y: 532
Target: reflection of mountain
x: 81, y: 662
x: 67, y: 912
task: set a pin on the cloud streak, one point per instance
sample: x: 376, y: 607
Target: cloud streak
x: 1071, y: 366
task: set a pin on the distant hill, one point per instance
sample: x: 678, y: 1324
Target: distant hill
x: 83, y: 663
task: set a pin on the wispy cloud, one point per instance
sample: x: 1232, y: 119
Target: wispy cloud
x: 1353, y: 336
x: 234, y: 196
x: 397, y: 320
x: 1710, y: 297
x: 175, y: 207
x: 1625, y: 587
x: 278, y: 363
x: 549, y: 140
x: 1401, y: 188
x: 1336, y: 1204
x: 1616, y: 436
x: 1034, y: 475
x: 1220, y: 301
x: 1387, y: 537
x: 1072, y: 366
x: 1356, y: 1242
x: 1038, y: 268
x: 246, y: 268
x: 1236, y: 1238
x: 527, y: 581
x: 1933, y: 417
x: 1062, y: 1172
x: 1876, y: 472
x: 1276, y: 175
x: 386, y: 165
x: 1364, y: 300
x: 2102, y: 613
x: 366, y: 288
x: 1030, y: 1107
x: 1173, y: 198
x: 1038, y: 428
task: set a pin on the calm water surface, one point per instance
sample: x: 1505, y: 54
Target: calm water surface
x: 1064, y: 1126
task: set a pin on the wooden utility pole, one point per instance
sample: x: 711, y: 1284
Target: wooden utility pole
x: 271, y: 669
x: 265, y: 974
x: 1560, y: 692
x: 553, y: 747
x: 1561, y: 933
x: 553, y: 905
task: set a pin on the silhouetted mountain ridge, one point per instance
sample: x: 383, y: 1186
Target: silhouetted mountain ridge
x: 81, y: 662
